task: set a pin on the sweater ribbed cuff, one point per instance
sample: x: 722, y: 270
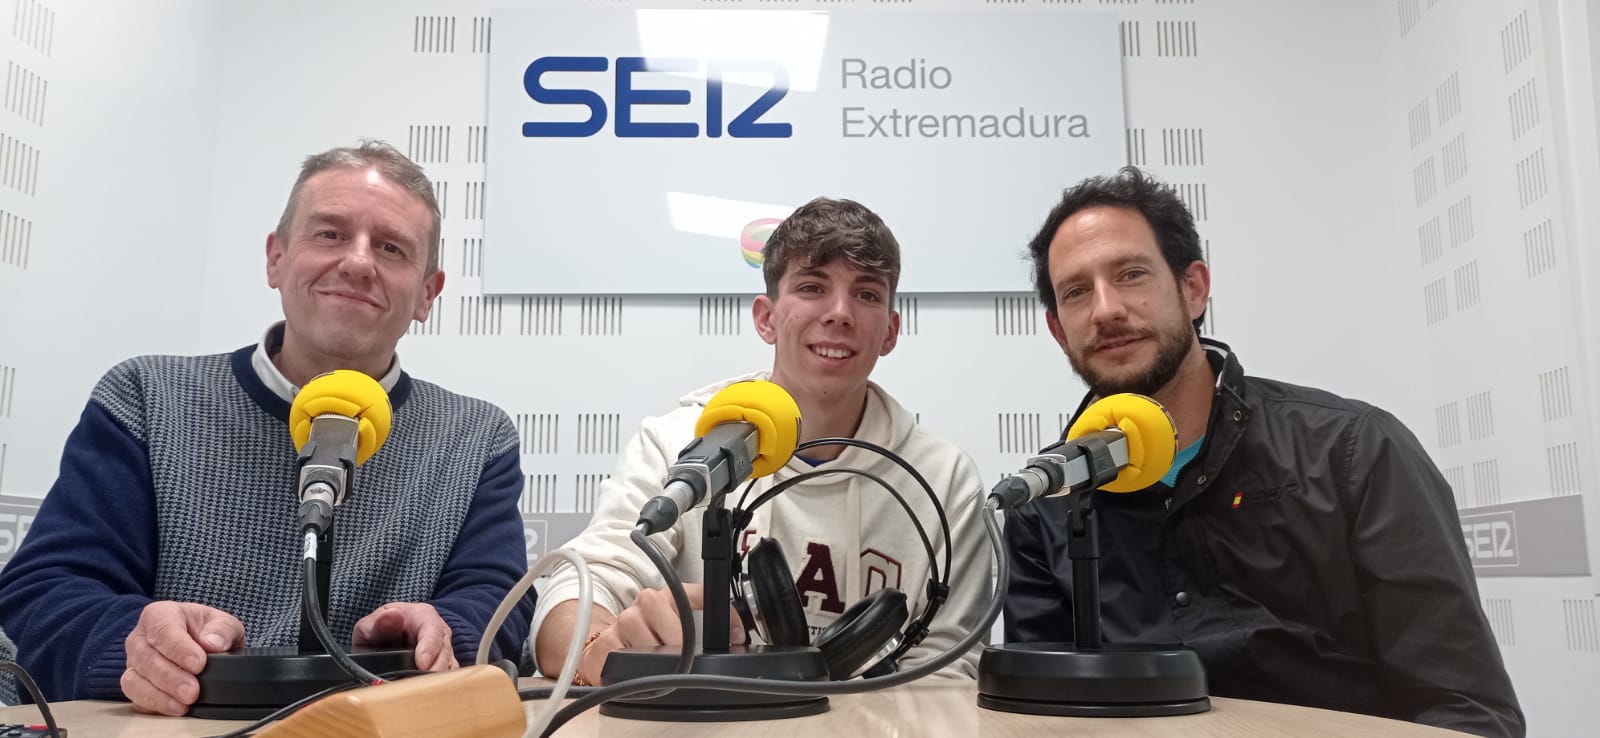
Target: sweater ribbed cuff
x: 464, y: 638
x: 103, y: 679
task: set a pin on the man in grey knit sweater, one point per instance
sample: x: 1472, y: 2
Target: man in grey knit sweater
x: 170, y: 531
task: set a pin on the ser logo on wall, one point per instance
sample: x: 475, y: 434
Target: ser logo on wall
x: 676, y: 136
x: 1530, y: 538
x: 636, y: 84
x: 16, y: 517
x: 1491, y: 538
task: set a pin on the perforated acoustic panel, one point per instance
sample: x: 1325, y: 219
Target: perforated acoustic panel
x: 34, y: 24
x: 16, y: 240
x: 27, y: 98
x: 8, y: 389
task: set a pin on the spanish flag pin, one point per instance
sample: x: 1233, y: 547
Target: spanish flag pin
x: 1237, y: 498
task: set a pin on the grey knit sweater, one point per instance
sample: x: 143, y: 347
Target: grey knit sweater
x: 178, y: 484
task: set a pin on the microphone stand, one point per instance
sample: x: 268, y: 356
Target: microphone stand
x: 718, y: 656
x: 1088, y: 677
x: 1083, y: 548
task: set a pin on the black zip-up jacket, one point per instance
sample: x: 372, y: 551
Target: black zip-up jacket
x: 1310, y: 553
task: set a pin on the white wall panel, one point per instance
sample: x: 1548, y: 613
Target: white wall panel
x: 116, y: 117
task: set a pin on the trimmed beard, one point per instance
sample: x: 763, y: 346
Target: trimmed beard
x: 1172, y: 347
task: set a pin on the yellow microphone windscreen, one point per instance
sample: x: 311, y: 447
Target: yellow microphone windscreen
x: 764, y: 405
x: 1152, y: 437
x: 348, y: 393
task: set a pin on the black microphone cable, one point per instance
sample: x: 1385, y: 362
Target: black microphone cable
x: 34, y: 692
x: 680, y: 598
x: 319, y: 627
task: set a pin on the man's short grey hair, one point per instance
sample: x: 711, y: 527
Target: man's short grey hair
x: 390, y: 163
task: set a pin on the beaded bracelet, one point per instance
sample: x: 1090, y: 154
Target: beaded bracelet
x: 577, y: 679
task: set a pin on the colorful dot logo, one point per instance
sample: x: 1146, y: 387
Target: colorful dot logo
x: 753, y: 240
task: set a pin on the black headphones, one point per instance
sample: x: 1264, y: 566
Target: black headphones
x: 766, y: 599
x: 866, y: 637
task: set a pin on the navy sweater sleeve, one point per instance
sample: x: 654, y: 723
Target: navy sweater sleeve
x: 490, y: 555
x: 75, y: 588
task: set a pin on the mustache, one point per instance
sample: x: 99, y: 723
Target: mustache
x: 1101, y: 340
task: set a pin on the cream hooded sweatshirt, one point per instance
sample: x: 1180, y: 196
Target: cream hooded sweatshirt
x: 844, y: 537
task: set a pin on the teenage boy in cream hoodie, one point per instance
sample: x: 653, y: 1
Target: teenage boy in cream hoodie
x: 831, y: 270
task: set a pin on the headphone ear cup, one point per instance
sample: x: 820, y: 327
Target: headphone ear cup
x: 861, y: 631
x: 777, y: 601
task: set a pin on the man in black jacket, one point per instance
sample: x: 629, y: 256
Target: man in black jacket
x: 1304, y: 544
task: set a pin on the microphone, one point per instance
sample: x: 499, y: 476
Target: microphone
x: 338, y: 421
x: 748, y: 430
x: 1121, y: 443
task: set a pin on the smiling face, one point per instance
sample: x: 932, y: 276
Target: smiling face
x: 1120, y: 316
x: 351, y: 266
x: 828, y: 324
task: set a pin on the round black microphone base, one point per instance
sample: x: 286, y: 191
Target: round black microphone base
x: 251, y: 683
x: 790, y: 663
x: 1111, y: 681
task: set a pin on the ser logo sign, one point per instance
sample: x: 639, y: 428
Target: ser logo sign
x: 16, y: 517
x: 1491, y: 538
x: 627, y: 96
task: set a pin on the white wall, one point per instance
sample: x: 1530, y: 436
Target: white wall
x: 125, y: 128
x: 1482, y: 95
x: 173, y: 132
x: 1572, y: 34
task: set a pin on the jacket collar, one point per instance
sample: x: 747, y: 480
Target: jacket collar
x: 1230, y: 414
x: 1224, y: 364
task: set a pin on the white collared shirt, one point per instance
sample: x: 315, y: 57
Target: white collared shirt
x: 272, y: 341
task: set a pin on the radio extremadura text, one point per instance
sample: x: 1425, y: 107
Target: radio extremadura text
x: 860, y: 121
